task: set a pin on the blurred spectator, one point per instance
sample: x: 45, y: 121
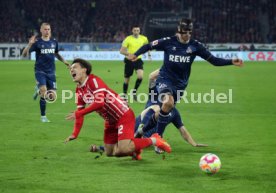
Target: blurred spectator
x: 236, y: 21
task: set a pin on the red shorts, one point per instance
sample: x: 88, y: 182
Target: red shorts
x: 123, y: 129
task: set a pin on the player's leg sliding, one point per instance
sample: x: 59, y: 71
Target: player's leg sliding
x: 162, y: 122
x: 154, y: 140
x: 161, y: 143
x: 147, y: 123
x: 139, y: 133
x: 134, y: 146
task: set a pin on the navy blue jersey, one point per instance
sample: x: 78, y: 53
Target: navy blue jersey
x: 178, y: 59
x: 174, y: 118
x: 45, y: 55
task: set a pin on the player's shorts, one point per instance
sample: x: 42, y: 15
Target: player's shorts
x: 165, y: 86
x: 131, y: 66
x: 152, y: 97
x: 123, y: 129
x: 49, y: 80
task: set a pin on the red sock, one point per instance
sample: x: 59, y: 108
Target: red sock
x: 141, y: 143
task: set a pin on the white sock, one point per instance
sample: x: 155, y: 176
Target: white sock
x: 153, y: 139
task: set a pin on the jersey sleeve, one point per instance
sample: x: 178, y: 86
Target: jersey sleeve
x: 177, y: 121
x: 156, y: 44
x: 159, y: 44
x: 208, y: 56
x: 125, y: 43
x: 80, y: 102
x: 202, y: 51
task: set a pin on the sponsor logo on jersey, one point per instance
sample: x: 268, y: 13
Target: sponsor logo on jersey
x: 47, y: 51
x: 177, y: 58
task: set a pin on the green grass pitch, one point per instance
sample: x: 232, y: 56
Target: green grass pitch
x: 34, y: 159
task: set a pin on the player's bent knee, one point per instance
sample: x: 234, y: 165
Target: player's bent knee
x: 168, y: 103
x: 122, y: 152
x: 156, y: 108
x: 109, y: 150
x: 42, y: 91
x: 124, y: 148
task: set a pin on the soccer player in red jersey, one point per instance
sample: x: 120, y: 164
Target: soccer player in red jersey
x: 119, y: 118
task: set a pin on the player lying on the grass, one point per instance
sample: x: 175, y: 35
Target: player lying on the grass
x: 119, y: 118
x: 145, y: 126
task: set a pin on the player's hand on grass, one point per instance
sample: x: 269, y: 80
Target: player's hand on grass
x: 71, y: 116
x: 70, y: 138
x: 237, y: 62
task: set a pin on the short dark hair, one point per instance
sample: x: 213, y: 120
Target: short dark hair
x: 135, y: 26
x: 84, y: 64
x: 185, y: 24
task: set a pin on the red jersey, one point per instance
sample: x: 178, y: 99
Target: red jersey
x: 94, y: 90
x: 100, y: 98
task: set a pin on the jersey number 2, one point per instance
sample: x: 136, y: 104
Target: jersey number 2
x: 120, y: 129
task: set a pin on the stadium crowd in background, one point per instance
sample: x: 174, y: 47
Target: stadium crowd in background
x: 110, y: 21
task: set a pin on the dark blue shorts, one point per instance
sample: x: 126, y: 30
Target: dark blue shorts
x: 167, y: 87
x: 49, y: 80
x: 152, y: 97
x: 130, y: 66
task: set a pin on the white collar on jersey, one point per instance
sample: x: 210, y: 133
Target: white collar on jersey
x: 84, y: 82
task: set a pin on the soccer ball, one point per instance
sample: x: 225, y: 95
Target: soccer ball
x: 210, y: 163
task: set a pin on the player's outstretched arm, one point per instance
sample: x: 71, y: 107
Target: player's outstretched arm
x: 27, y: 48
x: 70, y: 138
x: 187, y: 137
x: 60, y: 58
x: 237, y: 62
x: 77, y: 126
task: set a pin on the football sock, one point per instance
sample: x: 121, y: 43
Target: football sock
x: 147, y: 116
x: 125, y: 87
x: 162, y: 122
x: 141, y: 143
x: 150, y: 124
x: 137, y: 83
x: 42, y: 104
